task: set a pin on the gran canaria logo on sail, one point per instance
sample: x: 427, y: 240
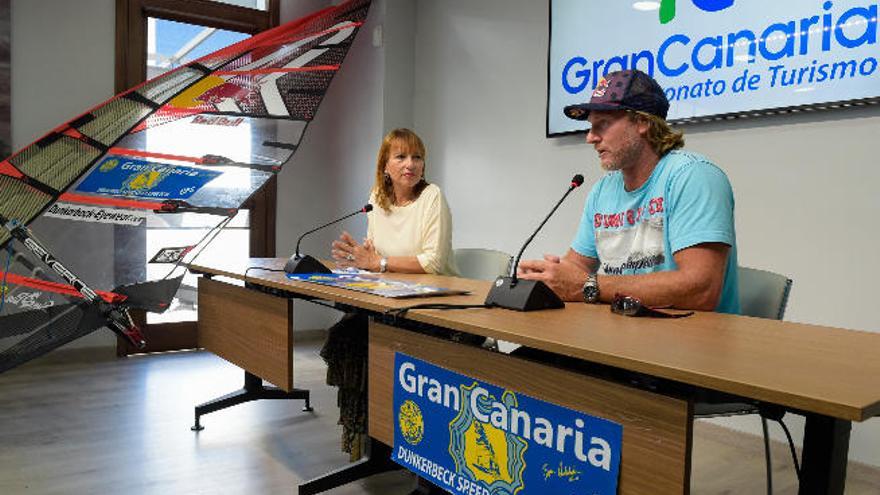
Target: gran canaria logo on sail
x: 490, y: 435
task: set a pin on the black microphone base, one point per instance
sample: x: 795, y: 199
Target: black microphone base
x: 524, y: 295
x: 305, y: 264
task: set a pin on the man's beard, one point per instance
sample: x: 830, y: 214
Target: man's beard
x: 626, y: 156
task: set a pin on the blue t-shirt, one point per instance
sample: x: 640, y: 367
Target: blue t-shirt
x: 686, y: 201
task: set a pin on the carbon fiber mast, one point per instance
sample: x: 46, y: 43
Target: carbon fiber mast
x: 117, y: 317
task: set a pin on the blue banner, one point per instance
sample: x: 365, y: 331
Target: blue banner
x: 474, y: 438
x: 118, y: 176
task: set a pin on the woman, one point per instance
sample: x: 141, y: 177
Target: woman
x: 408, y: 231
x: 410, y: 227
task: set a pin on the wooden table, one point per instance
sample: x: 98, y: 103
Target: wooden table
x: 829, y: 375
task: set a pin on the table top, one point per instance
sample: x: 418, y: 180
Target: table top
x: 824, y: 370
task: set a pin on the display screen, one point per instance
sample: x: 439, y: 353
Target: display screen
x: 715, y: 57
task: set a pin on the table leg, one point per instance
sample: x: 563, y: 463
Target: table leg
x: 826, y: 446
x: 377, y: 460
x: 253, y: 390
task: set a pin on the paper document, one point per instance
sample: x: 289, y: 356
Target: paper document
x: 375, y: 284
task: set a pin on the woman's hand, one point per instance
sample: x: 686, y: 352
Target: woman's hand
x: 348, y: 253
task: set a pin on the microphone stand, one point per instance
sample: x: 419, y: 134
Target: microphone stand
x: 299, y: 263
x: 528, y: 295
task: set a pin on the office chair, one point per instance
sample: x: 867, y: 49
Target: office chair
x: 481, y: 264
x: 484, y: 264
x: 762, y: 294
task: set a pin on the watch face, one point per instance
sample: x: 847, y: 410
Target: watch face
x: 591, y: 291
x: 589, y: 294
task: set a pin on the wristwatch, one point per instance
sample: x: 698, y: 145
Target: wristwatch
x: 591, y: 289
x: 383, y: 265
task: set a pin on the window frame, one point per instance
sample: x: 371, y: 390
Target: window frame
x: 131, y: 28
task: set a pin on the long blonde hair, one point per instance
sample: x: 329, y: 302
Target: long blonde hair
x: 382, y: 187
x: 660, y: 136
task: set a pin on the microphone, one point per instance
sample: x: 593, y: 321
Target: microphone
x: 528, y: 295
x: 306, y: 264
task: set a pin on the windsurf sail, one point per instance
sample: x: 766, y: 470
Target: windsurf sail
x: 198, y: 140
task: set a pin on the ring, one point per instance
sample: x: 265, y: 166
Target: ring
x: 350, y: 257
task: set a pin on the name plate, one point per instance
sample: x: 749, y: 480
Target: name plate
x: 471, y: 437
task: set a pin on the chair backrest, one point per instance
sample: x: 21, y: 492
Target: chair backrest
x: 763, y: 294
x: 481, y: 264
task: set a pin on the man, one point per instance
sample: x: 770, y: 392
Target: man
x: 659, y: 226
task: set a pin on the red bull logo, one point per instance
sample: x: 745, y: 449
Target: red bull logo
x: 217, y: 120
x: 601, y: 87
x: 221, y: 92
x: 213, y: 90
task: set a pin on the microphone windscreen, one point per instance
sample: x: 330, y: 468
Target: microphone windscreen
x: 577, y: 180
x: 368, y: 207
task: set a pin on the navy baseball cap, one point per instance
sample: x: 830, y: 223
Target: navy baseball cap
x: 623, y: 90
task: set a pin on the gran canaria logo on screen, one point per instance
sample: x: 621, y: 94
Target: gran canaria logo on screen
x: 472, y: 437
x: 716, y: 57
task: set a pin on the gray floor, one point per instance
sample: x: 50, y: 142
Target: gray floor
x: 74, y: 423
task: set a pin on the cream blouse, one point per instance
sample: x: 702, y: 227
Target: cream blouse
x: 422, y: 229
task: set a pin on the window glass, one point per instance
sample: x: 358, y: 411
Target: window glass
x: 171, y: 44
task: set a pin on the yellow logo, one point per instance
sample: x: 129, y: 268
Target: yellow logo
x: 483, y: 452
x: 412, y: 424
x: 146, y: 180
x: 108, y: 165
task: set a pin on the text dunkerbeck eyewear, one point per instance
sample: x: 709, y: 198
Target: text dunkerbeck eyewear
x: 631, y: 306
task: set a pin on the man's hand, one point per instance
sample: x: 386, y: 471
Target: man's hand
x: 563, y: 276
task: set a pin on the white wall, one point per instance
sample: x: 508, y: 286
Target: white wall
x: 805, y: 185
x: 398, y: 36
x: 480, y: 79
x: 62, y: 62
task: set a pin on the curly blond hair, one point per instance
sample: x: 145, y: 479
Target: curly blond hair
x: 660, y: 136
